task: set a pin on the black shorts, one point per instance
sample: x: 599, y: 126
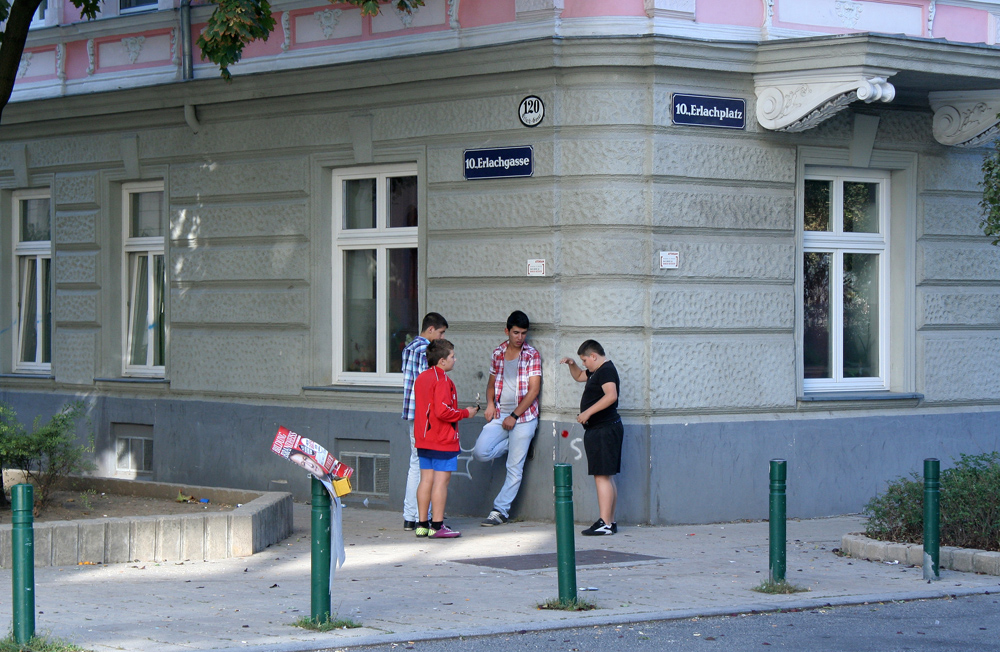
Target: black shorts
x: 603, y: 444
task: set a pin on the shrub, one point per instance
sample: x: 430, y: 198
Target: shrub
x: 49, y: 451
x: 970, y: 506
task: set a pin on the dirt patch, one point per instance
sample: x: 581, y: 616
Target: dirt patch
x: 77, y: 505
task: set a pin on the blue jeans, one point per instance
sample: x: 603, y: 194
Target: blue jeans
x: 493, y: 442
x: 412, y: 480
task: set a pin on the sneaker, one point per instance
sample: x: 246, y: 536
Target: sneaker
x: 495, y: 518
x: 421, y: 531
x: 614, y: 528
x: 599, y: 528
x: 409, y: 525
x: 444, y: 533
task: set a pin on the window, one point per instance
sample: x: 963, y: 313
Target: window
x: 134, y: 455
x: 145, y: 332
x: 38, y: 19
x: 845, y: 280
x: 33, y: 260
x: 127, y: 6
x: 375, y: 271
x: 371, y: 472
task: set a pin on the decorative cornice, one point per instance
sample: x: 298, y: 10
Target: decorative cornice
x: 965, y: 118
x: 799, y: 101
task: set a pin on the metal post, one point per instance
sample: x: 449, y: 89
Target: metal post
x: 565, y: 543
x: 932, y: 519
x: 23, y: 558
x: 320, y: 553
x: 776, y: 561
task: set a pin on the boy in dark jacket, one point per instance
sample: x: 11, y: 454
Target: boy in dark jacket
x: 436, y: 436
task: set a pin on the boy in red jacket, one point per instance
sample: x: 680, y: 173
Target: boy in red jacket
x: 436, y: 437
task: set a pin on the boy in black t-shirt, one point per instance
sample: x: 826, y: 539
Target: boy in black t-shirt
x: 603, y: 429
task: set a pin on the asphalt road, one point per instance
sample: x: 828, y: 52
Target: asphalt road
x: 966, y: 624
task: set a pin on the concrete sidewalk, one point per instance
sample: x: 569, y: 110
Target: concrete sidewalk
x: 405, y: 589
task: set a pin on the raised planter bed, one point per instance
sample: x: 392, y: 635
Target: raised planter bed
x: 966, y: 560
x: 261, y: 519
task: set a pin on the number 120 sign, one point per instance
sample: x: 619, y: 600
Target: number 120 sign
x: 532, y: 111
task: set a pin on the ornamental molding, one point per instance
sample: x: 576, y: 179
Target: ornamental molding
x: 286, y: 30
x: 676, y: 9
x: 799, y: 101
x: 768, y: 13
x: 406, y: 17
x: 453, y: 14
x: 849, y: 12
x: 175, y: 55
x: 965, y: 118
x: 133, y: 47
x: 931, y: 11
x: 25, y: 63
x: 61, y: 62
x: 328, y: 20
x: 91, y: 63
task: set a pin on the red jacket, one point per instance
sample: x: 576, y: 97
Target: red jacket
x: 436, y: 411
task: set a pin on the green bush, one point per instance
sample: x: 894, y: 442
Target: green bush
x: 970, y: 506
x: 49, y: 452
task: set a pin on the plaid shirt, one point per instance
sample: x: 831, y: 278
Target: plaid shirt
x: 528, y: 365
x: 414, y: 362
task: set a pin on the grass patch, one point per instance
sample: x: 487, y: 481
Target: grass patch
x: 38, y: 644
x: 305, y: 622
x: 778, y: 588
x: 578, y: 604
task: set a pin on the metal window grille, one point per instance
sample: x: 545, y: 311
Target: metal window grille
x: 371, y: 472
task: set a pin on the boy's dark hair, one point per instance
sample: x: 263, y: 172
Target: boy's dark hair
x: 590, y: 346
x: 433, y: 320
x: 438, y: 350
x: 519, y: 319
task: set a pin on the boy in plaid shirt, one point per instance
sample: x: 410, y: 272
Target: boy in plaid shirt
x: 511, y: 411
x: 432, y: 328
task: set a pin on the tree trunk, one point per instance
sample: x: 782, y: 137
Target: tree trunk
x: 15, y: 35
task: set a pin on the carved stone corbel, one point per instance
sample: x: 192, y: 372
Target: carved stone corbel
x: 801, y: 100
x: 965, y: 118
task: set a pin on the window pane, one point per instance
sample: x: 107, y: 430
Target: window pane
x: 817, y: 344
x: 46, y: 314
x: 133, y: 4
x: 147, y: 213
x: 817, y: 205
x: 147, y: 455
x: 402, y: 201
x: 35, y: 220
x: 403, y: 325
x: 159, y: 312
x: 29, y: 309
x: 139, y: 300
x: 861, y: 315
x: 359, y: 204
x: 360, y: 310
x: 860, y: 207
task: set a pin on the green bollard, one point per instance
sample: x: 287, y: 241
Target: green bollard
x: 932, y: 519
x: 23, y: 557
x: 776, y: 561
x: 565, y: 542
x: 320, y: 553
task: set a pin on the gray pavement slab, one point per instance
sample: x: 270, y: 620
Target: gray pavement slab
x: 401, y: 588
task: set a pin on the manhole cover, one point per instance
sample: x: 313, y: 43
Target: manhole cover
x: 550, y: 560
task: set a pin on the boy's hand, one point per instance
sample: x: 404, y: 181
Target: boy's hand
x: 491, y: 412
x: 473, y: 410
x: 569, y: 361
x: 582, y: 418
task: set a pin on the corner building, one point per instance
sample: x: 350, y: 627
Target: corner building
x: 202, y: 262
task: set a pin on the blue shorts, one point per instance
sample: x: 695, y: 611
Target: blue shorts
x: 438, y: 460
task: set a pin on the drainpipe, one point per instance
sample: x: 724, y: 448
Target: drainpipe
x: 187, y: 58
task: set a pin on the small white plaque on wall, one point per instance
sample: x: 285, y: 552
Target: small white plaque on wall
x: 536, y: 267
x: 670, y: 260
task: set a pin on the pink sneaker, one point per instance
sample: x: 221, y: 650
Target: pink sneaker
x: 444, y: 533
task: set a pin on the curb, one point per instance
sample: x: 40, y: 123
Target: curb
x: 966, y: 560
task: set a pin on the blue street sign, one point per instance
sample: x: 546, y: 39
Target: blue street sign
x: 706, y: 111
x: 499, y: 162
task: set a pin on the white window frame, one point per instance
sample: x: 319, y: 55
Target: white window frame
x: 153, y: 6
x: 40, y: 15
x: 382, y: 239
x: 38, y: 250
x: 839, y: 243
x: 150, y: 247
